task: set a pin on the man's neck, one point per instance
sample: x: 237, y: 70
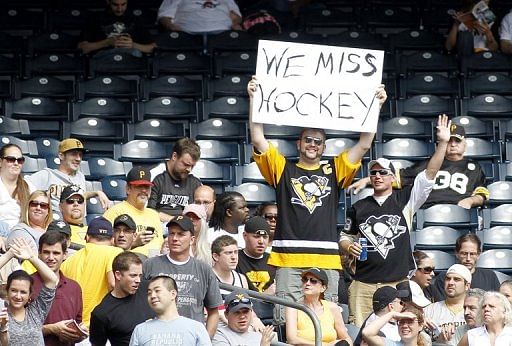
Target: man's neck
x: 308, y: 163
x: 229, y: 227
x: 455, y: 303
x: 67, y: 171
x: 170, y: 314
x: 255, y: 256
x: 118, y: 293
x: 179, y: 257
x: 136, y: 205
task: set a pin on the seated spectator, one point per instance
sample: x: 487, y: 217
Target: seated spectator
x: 467, y: 250
x: 496, y: 316
x: 459, y: 181
x: 229, y: 215
x: 452, y: 335
x: 424, y: 273
x: 26, y: 318
x: 239, y: 313
x: 479, y: 37
x: 205, y: 195
x: 198, y: 17
x: 14, y: 190
x: 268, y: 210
x: 168, y: 327
x: 72, y: 207
x: 506, y: 34
x: 201, y: 249
x: 299, y: 328
x: 116, y: 30
x: 124, y: 231
x: 449, y: 314
x: 410, y: 324
x: 68, y: 295
x: 36, y: 215
x: 506, y: 289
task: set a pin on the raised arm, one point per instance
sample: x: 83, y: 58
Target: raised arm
x: 371, y: 331
x: 22, y: 251
x: 258, y: 139
x: 356, y: 153
x: 443, y: 137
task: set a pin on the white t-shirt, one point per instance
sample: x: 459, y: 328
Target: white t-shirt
x: 10, y: 210
x: 480, y: 337
x: 506, y: 28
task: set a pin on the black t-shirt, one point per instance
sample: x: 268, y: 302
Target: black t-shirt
x: 114, y: 319
x: 106, y: 24
x: 259, y: 274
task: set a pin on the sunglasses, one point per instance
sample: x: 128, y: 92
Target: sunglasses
x: 42, y: 205
x: 406, y: 321
x: 312, y: 280
x: 75, y: 200
x: 270, y: 216
x: 427, y: 270
x: 316, y: 141
x: 373, y: 172
x: 237, y: 301
x: 12, y: 159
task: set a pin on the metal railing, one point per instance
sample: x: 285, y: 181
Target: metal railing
x: 282, y: 301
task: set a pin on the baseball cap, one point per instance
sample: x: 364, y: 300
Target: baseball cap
x: 70, y: 144
x: 125, y: 219
x: 183, y: 222
x: 237, y: 300
x: 59, y: 226
x: 384, y: 163
x: 71, y: 190
x: 318, y: 273
x: 139, y: 176
x: 385, y: 295
x: 418, y: 297
x: 257, y: 225
x: 460, y: 270
x: 100, y: 226
x: 197, y: 209
x: 457, y: 131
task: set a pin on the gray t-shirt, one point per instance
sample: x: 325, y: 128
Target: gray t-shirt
x: 181, y: 331
x: 55, y: 181
x: 29, y: 331
x: 26, y: 232
x: 227, y: 337
x: 197, y: 285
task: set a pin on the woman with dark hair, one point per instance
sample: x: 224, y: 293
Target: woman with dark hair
x: 14, y: 190
x: 299, y: 328
x: 410, y: 324
x: 424, y: 272
x: 26, y: 318
x: 229, y: 213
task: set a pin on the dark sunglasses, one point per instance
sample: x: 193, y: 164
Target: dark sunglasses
x: 237, y: 301
x: 373, y: 172
x: 12, y: 159
x: 312, y: 280
x: 42, y: 205
x: 316, y: 141
x: 75, y: 200
x: 270, y: 216
x: 427, y: 270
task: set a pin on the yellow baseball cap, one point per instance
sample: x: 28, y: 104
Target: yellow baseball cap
x: 70, y: 144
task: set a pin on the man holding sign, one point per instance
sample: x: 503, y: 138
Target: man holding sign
x: 307, y: 199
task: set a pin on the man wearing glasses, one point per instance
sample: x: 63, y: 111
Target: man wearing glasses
x: 72, y: 207
x: 307, y: 196
x: 384, y: 220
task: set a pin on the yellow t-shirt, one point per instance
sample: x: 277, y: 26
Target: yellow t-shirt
x: 89, y: 267
x: 143, y: 219
x: 305, y: 327
x: 78, y: 234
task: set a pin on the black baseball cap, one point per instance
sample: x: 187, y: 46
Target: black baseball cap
x: 385, y: 295
x: 457, y: 131
x: 100, y: 226
x: 139, y: 176
x: 318, y: 273
x: 257, y: 225
x: 59, y: 226
x: 184, y: 222
x: 125, y: 219
x: 237, y: 300
x: 71, y: 190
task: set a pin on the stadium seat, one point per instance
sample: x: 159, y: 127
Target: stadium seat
x: 356, y: 39
x: 33, y: 165
x: 502, y: 277
x: 108, y: 86
x: 475, y: 127
x: 403, y: 127
x: 296, y: 36
x: 47, y: 147
x: 18, y: 128
x: 27, y: 147
x: 10, y: 66
x: 487, y: 105
x: 500, y: 215
x: 11, y: 45
x: 166, y: 107
x: 94, y: 207
x: 328, y: 20
x: 121, y: 63
x: 141, y: 151
x: 428, y: 61
x: 219, y: 129
x: 286, y: 147
x: 233, y: 85
x: 414, y: 40
x: 69, y: 19
x: 212, y: 173
x: 178, y: 41
x: 99, y: 134
x: 227, y: 107
x: 103, y: 107
x: 282, y: 132
x: 487, y: 83
x: 180, y: 63
x: 404, y: 148
x: 248, y: 173
x: 156, y: 129
x: 430, y: 84
x: 437, y: 238
x: 232, y: 40
x: 426, y: 106
x: 254, y: 193
x: 442, y: 260
x: 335, y: 146
x: 485, y: 62
x: 177, y: 86
x: 351, y: 198
x: 37, y: 108
x: 386, y: 19
x: 219, y: 151
x: 500, y: 192
x: 498, y: 259
x: 449, y: 215
x: 234, y: 63
x: 498, y: 237
x: 100, y: 167
x: 54, y: 64
x: 44, y: 86
x: 52, y: 42
x: 481, y: 149
x: 21, y: 21
x: 114, y: 188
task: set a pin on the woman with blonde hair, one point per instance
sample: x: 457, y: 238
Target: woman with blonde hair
x: 410, y: 324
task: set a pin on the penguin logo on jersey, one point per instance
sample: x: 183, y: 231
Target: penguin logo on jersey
x: 381, y: 231
x: 310, y: 191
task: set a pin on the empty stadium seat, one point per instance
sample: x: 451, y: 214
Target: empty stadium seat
x: 14, y: 127
x: 232, y: 85
x: 481, y: 149
x: 156, y: 129
x: 248, y: 173
x: 27, y: 147
x: 166, y: 107
x: 51, y: 42
x: 404, y: 148
x: 500, y: 215
x: 405, y: 127
x: 498, y: 259
x: 100, y: 167
x: 234, y: 63
x: 212, y: 173
x: 500, y: 192
x: 114, y: 188
x: 180, y: 63
x: 498, y: 237
x: 54, y: 64
x: 177, y: 86
x: 450, y: 215
x: 335, y: 146
x: 120, y: 63
x: 430, y: 84
x: 255, y: 193
x: 227, y: 107
x: 485, y: 61
x: 427, y: 106
x: 475, y: 127
x: 37, y: 108
x: 487, y: 83
x: 99, y: 135
x: 442, y: 260
x: 105, y: 108
x: 219, y: 151
x: 141, y: 151
x: 232, y: 40
x: 33, y: 165
x: 437, y: 238
x: 178, y: 41
x: 219, y: 129
x: 487, y: 105
x: 108, y: 86
x: 44, y: 86
x: 428, y: 61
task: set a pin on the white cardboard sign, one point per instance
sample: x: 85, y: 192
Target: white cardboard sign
x: 317, y: 86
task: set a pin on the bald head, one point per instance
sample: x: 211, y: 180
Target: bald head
x: 205, y: 195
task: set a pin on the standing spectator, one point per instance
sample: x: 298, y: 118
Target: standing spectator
x: 197, y: 282
x: 168, y: 327
x: 229, y: 215
x: 124, y: 307
x: 149, y: 238
x: 116, y: 30
x: 299, y: 328
x: 68, y: 295
x: 506, y: 34
x: 306, y: 234
x: 384, y: 220
x: 26, y: 317
x: 91, y: 266
x: 252, y: 260
x: 268, y: 210
x: 203, y: 16
x: 201, y: 249
x: 14, y: 190
x: 449, y: 314
x: 239, y: 314
x: 72, y: 208
x: 205, y: 195
x: 71, y: 153
x: 467, y: 250
x: 496, y: 316
x: 174, y: 188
